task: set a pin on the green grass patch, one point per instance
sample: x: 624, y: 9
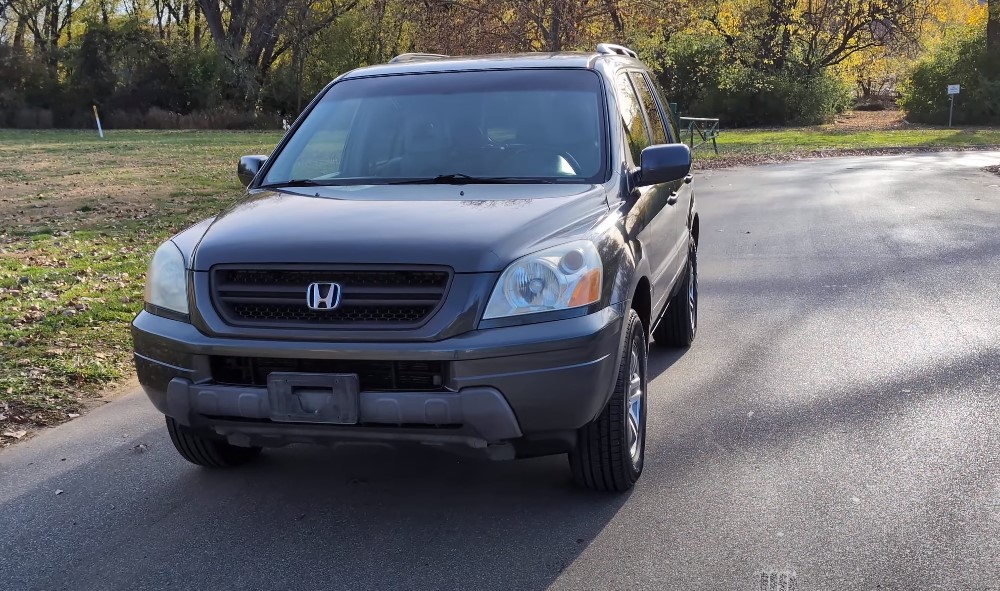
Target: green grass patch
x: 79, y: 218
x: 753, y: 145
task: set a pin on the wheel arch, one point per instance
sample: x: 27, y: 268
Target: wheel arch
x: 642, y: 302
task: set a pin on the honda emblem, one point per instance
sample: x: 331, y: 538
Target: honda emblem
x: 323, y: 296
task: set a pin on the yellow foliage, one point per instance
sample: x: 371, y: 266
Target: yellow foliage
x: 947, y: 14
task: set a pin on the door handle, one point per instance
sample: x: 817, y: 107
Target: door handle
x: 688, y: 179
x: 672, y: 198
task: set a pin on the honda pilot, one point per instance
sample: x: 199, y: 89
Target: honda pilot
x: 471, y: 253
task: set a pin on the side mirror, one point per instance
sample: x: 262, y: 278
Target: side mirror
x: 663, y: 163
x: 249, y: 167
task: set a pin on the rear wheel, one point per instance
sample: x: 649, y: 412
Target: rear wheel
x: 610, y: 450
x: 203, y: 450
x: 679, y: 324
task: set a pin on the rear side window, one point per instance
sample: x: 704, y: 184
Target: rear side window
x: 631, y: 112
x: 656, y: 129
x: 675, y: 135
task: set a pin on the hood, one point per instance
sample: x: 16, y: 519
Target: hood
x: 471, y: 228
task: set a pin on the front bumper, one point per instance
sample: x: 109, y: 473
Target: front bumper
x: 502, y: 384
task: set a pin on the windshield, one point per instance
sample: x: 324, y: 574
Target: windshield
x: 455, y: 127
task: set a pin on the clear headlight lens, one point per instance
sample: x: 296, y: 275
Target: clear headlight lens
x: 566, y: 276
x: 166, y: 281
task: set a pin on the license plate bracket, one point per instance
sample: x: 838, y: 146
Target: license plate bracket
x: 313, y: 398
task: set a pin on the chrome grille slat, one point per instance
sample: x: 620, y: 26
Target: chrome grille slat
x: 372, y: 298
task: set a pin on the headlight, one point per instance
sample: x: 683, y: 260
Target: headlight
x: 166, y: 282
x: 567, y: 276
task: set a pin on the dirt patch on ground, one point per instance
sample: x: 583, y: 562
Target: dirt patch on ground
x: 870, y: 121
x: 39, y: 192
x: 994, y: 169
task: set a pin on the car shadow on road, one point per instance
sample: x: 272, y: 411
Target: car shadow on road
x: 661, y: 359
x: 412, y: 518
x: 305, y: 517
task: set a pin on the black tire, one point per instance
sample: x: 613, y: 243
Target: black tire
x: 208, y: 451
x: 679, y: 324
x: 603, y: 459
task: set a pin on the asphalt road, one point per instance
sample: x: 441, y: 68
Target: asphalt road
x: 838, y: 416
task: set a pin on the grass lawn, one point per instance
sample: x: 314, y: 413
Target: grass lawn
x: 751, y: 146
x: 79, y: 217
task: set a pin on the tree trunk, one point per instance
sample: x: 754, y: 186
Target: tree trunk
x: 197, y: 25
x: 18, y: 43
x: 52, y: 34
x: 993, y: 28
x: 158, y: 8
x: 616, y: 20
x: 68, y: 23
x: 299, y: 68
x: 555, y: 42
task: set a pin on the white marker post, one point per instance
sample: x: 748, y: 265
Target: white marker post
x: 953, y: 89
x: 97, y: 118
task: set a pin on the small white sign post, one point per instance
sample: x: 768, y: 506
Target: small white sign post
x: 100, y: 130
x: 953, y: 89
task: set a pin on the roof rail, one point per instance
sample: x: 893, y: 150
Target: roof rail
x: 611, y: 48
x: 416, y: 57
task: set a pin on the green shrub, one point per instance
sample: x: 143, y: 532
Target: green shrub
x: 961, y: 59
x: 31, y: 118
x: 696, y: 73
x: 219, y: 118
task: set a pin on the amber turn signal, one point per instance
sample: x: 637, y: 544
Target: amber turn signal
x: 588, y: 289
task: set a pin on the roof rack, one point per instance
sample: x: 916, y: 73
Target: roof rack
x: 416, y: 57
x: 611, y: 48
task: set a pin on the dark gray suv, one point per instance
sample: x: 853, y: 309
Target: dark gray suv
x: 462, y: 252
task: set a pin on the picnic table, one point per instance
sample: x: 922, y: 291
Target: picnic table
x: 707, y: 129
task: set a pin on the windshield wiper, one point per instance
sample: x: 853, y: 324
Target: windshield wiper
x: 295, y: 183
x: 465, y: 179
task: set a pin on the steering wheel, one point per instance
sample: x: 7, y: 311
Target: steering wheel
x: 520, y: 149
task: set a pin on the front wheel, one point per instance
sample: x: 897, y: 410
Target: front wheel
x: 610, y: 450
x: 207, y: 451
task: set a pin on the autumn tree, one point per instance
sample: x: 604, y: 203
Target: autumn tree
x: 487, y: 26
x: 46, y: 21
x: 812, y: 34
x: 253, y: 34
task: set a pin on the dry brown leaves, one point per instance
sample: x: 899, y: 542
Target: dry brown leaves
x: 869, y: 121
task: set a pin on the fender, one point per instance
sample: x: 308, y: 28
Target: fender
x: 631, y: 267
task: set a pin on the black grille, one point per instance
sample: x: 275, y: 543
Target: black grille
x: 372, y: 375
x: 370, y: 298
